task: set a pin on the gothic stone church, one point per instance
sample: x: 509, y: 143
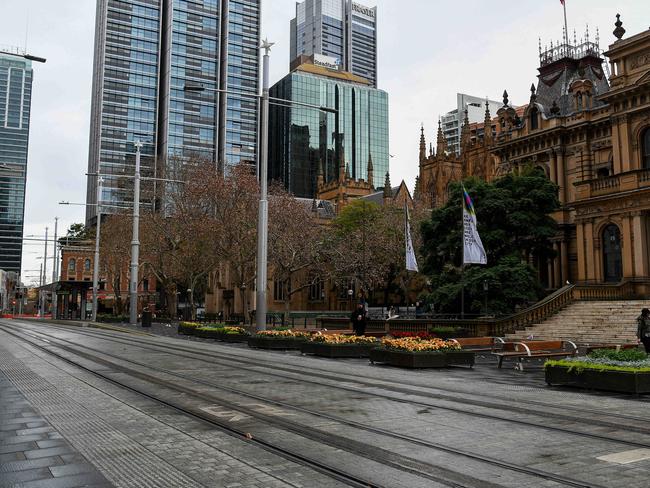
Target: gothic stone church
x: 589, y: 136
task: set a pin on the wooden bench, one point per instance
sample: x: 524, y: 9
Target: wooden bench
x: 479, y: 344
x: 535, y: 349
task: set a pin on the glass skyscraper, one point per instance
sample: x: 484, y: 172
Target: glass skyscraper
x: 15, y: 103
x: 303, y: 141
x: 146, y: 51
x: 341, y: 29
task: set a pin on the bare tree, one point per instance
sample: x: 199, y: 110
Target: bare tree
x: 115, y: 252
x: 296, y: 243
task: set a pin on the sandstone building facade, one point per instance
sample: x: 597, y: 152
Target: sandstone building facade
x: 590, y: 136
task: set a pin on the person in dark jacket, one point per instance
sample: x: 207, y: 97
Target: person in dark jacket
x: 358, y: 319
x: 643, y: 328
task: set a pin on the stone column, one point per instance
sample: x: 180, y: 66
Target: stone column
x: 566, y: 272
x: 552, y: 164
x: 549, y: 266
x: 639, y: 228
x: 590, y: 262
x: 627, y: 245
x: 580, y: 240
x: 557, y: 274
x: 561, y: 174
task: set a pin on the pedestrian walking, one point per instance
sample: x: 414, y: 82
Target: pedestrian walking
x: 358, y: 318
x: 643, y: 328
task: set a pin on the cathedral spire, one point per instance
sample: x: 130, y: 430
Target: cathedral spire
x: 441, y: 143
x: 423, y: 144
x: 464, y: 133
x: 347, y: 171
x: 416, y: 190
x: 487, y: 123
x: 342, y: 169
x: 388, y: 191
x: 371, y: 171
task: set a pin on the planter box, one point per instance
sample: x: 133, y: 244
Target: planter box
x: 308, y: 347
x: 460, y: 358
x: 208, y: 334
x: 404, y: 359
x: 340, y: 350
x: 275, y: 344
x: 184, y: 330
x: 233, y: 338
x: 379, y: 355
x: 617, y: 381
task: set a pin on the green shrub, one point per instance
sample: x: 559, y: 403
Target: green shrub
x: 622, y: 355
x: 578, y: 366
x: 111, y: 319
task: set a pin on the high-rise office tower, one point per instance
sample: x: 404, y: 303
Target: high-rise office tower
x: 341, y: 29
x: 146, y: 52
x: 306, y: 144
x: 15, y: 103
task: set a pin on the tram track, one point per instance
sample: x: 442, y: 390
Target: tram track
x: 583, y: 416
x: 402, y: 464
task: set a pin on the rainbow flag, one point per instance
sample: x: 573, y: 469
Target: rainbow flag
x: 473, y: 250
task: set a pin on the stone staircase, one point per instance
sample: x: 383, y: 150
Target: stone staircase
x: 589, y: 322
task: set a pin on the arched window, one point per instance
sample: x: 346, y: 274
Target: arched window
x: 72, y: 265
x: 87, y: 265
x: 579, y: 101
x: 645, y: 148
x: 612, y: 257
x: 534, y: 119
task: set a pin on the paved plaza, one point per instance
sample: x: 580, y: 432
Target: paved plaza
x: 89, y: 407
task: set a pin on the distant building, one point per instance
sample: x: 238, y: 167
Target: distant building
x: 306, y: 142
x: 452, y: 121
x: 145, y: 54
x: 341, y: 29
x: 16, y: 76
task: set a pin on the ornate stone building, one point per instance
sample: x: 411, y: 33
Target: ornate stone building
x: 591, y: 137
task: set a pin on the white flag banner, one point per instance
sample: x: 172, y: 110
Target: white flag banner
x: 473, y: 250
x: 411, y: 262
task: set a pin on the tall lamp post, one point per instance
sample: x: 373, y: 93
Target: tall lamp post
x: 135, y: 242
x: 263, y: 217
x: 262, y: 234
x: 96, y: 260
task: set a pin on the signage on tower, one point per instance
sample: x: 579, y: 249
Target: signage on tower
x: 363, y: 10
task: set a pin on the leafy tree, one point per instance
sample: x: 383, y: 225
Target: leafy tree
x: 515, y: 224
x: 77, y: 232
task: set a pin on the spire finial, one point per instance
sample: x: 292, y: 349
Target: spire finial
x: 575, y: 38
x: 539, y: 39
x: 388, y: 191
x: 619, y: 31
x: 423, y: 144
x: 505, y: 98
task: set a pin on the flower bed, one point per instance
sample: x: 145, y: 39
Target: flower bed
x: 278, y: 339
x: 625, y: 371
x: 415, y: 352
x: 218, y: 332
x: 339, y: 346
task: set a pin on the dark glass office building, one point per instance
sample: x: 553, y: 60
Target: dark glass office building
x: 146, y: 51
x: 341, y: 29
x: 303, y: 139
x: 15, y: 104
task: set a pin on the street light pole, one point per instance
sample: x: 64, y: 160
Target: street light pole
x: 263, y: 220
x: 54, y: 265
x: 44, y: 276
x: 96, y: 262
x: 135, y: 243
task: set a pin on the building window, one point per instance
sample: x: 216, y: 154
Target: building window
x: 72, y: 266
x: 534, y: 119
x: 579, y: 101
x: 280, y: 290
x: 87, y: 265
x: 316, y: 291
x: 613, y: 260
x: 646, y: 149
x: 145, y: 285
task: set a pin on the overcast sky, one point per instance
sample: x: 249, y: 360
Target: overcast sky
x: 428, y: 51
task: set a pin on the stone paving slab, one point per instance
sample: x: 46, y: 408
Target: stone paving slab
x: 143, y: 451
x: 31, y: 457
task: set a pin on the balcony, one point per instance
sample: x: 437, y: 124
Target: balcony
x: 631, y: 180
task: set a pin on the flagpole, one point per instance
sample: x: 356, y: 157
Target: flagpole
x: 566, y: 28
x: 462, y: 266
